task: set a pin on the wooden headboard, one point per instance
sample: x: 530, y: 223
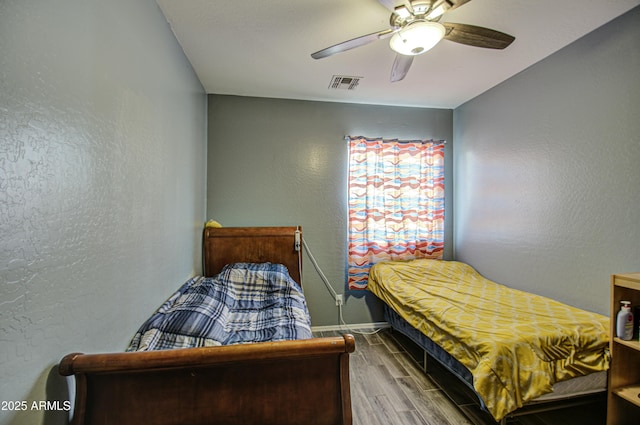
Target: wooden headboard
x: 226, y: 245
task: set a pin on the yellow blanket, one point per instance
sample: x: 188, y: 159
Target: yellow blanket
x: 516, y: 344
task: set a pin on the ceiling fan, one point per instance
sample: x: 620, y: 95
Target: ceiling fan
x: 415, y: 28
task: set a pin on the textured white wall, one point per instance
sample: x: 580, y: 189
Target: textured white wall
x: 282, y: 162
x: 102, y: 183
x: 547, y: 175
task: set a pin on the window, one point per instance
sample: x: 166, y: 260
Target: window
x: 396, y: 203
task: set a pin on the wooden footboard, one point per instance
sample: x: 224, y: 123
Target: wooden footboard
x: 285, y: 382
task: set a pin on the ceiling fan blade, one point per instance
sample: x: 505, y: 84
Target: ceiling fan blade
x: 401, y: 66
x: 409, y: 6
x: 439, y: 8
x: 352, y: 44
x: 389, y: 4
x: 477, y: 36
x: 456, y: 3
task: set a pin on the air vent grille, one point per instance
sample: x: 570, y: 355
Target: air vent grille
x: 344, y: 82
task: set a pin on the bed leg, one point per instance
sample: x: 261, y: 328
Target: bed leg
x: 425, y: 357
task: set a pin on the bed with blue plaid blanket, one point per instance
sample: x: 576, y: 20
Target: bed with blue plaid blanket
x: 244, y: 303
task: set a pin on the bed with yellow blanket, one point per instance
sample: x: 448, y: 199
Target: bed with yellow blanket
x: 515, y: 345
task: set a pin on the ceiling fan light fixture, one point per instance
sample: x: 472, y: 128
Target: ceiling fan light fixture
x: 417, y: 38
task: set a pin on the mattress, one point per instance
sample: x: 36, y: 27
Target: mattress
x: 580, y: 385
x: 516, y: 345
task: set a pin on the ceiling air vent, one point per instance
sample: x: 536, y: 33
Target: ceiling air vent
x: 344, y: 82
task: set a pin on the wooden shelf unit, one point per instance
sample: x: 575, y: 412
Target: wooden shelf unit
x: 624, y: 376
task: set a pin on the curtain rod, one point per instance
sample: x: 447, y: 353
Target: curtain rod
x: 441, y: 141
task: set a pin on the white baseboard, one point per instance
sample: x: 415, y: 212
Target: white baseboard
x: 356, y: 326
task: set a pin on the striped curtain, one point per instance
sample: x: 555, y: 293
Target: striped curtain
x: 396, y: 203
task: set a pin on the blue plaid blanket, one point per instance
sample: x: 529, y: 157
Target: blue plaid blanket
x: 245, y: 302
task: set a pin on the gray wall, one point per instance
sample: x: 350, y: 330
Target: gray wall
x: 547, y: 171
x: 102, y: 183
x: 281, y: 162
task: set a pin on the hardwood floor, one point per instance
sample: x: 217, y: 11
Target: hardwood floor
x: 388, y: 388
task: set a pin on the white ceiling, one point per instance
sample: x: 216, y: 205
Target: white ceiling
x: 262, y: 47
